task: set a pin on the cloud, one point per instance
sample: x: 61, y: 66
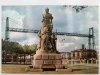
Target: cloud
x: 97, y: 48
x: 13, y: 16
x: 65, y: 20
x: 69, y: 11
x: 21, y: 22
x: 76, y: 38
x: 29, y: 41
x: 66, y: 46
x: 67, y: 43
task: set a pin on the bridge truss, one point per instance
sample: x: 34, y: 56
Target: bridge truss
x: 90, y: 36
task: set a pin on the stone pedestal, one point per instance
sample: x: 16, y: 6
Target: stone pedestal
x: 47, y: 60
x: 47, y: 56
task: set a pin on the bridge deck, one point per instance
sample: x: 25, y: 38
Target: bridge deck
x: 36, y: 31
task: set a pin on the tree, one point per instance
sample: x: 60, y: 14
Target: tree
x: 29, y: 49
x: 11, y: 47
x: 15, y: 48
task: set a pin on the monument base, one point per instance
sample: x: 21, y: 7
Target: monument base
x: 47, y: 61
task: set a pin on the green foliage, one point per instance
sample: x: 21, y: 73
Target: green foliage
x: 11, y: 47
x: 15, y: 48
x: 29, y: 48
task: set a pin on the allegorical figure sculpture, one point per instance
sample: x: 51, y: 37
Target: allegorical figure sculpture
x: 53, y: 41
x: 47, y: 54
x: 47, y: 17
x: 47, y: 38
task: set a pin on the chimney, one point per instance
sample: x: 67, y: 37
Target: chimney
x: 83, y: 47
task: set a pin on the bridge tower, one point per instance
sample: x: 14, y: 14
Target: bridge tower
x: 91, y: 38
x: 7, y: 29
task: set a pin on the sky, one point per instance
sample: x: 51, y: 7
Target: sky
x: 66, y: 19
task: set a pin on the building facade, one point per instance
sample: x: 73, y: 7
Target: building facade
x: 82, y: 55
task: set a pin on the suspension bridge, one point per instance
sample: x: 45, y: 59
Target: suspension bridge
x: 90, y: 35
